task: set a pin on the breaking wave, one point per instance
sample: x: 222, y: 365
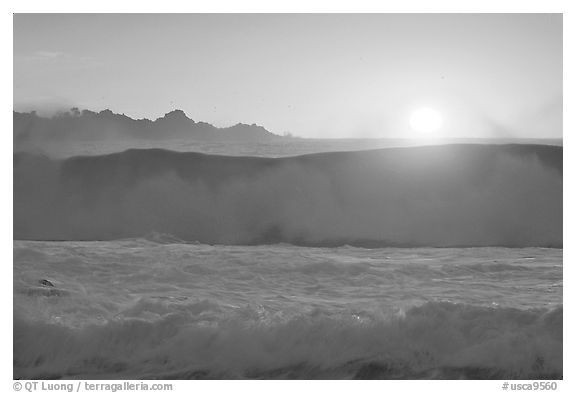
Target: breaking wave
x: 444, y: 196
x: 433, y: 340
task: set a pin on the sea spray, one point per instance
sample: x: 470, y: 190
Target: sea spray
x: 441, y: 196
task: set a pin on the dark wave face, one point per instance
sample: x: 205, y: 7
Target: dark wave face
x: 446, y: 196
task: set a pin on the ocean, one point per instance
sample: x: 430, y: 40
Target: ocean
x: 149, y: 308
x: 284, y: 147
x: 437, y: 262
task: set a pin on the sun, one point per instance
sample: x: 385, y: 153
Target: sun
x: 426, y: 120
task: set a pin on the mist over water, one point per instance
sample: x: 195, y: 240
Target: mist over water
x: 453, y: 195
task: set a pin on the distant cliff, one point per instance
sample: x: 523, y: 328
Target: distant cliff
x: 90, y: 126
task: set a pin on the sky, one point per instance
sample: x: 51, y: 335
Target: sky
x: 310, y: 75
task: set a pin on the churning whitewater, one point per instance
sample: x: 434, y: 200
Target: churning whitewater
x: 147, y: 308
